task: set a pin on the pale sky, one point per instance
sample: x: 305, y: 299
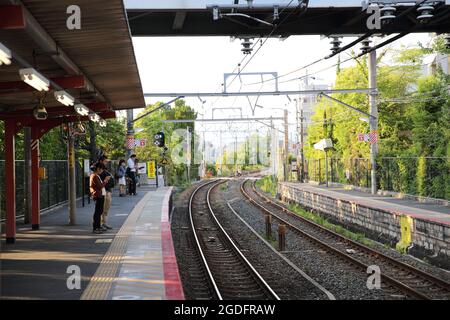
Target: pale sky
x: 197, y: 64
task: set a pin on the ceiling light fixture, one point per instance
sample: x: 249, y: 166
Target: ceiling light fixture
x: 5, y: 55
x: 64, y: 98
x: 34, y: 79
x: 94, y: 117
x: 82, y: 110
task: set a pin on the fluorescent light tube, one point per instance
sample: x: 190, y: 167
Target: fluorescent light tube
x: 34, y: 79
x: 94, y: 117
x: 5, y: 55
x: 64, y: 98
x: 81, y: 109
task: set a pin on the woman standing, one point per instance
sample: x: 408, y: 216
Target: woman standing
x: 98, y: 192
x: 121, y: 170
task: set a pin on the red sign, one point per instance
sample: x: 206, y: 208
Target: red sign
x: 368, y: 137
x: 143, y: 142
x: 130, y: 143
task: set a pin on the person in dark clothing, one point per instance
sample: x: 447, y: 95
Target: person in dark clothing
x: 109, y: 189
x: 131, y: 170
x: 97, y: 189
x: 121, y: 171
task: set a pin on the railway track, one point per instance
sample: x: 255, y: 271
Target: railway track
x: 415, y: 283
x: 230, y: 274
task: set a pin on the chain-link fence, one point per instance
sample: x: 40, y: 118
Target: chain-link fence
x: 423, y: 176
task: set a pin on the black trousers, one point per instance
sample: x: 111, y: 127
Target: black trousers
x: 99, y: 204
x: 132, y: 188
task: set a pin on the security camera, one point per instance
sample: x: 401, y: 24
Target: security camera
x: 40, y: 113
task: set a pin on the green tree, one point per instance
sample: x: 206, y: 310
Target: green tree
x: 153, y: 123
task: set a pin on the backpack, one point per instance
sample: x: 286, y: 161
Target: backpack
x: 119, y: 173
x: 111, y: 183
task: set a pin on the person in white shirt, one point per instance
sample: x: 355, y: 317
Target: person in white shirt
x: 132, y: 174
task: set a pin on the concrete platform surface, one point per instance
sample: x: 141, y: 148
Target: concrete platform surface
x: 41, y: 264
x: 140, y: 263
x: 416, y: 209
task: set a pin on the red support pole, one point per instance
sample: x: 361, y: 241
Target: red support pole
x: 10, y: 180
x: 35, y: 192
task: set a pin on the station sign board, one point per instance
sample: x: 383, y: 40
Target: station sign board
x: 151, y: 169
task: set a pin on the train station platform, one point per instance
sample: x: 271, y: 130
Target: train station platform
x: 421, y: 227
x: 416, y: 209
x: 134, y: 260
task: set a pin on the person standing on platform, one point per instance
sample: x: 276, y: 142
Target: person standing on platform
x: 109, y: 189
x: 138, y: 175
x: 132, y: 174
x: 121, y: 171
x: 98, y: 192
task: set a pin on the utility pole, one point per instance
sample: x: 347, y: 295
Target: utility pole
x: 235, y: 156
x: 130, y: 132
x: 302, y: 143
x: 188, y: 165
x: 274, y: 150
x: 204, y: 156
x: 373, y: 120
x: 221, y: 153
x: 286, y: 146
x: 71, y: 165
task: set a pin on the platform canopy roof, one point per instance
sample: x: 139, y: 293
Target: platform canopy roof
x: 323, y: 17
x: 95, y: 64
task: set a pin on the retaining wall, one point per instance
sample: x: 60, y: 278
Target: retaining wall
x: 431, y: 239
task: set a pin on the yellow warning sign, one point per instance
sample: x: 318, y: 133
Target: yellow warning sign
x: 163, y: 162
x: 406, y: 225
x: 151, y: 169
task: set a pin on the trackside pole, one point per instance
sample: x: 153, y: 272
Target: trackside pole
x: 286, y: 146
x: 373, y: 120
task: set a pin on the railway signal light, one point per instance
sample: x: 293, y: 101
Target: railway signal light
x: 159, y: 139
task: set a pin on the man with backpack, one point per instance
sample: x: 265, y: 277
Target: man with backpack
x: 108, y: 188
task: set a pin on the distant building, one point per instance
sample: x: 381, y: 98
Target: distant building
x: 307, y: 103
x: 433, y: 62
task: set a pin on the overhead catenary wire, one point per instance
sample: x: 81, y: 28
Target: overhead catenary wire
x: 270, y: 34
x: 237, y: 67
x: 348, y: 46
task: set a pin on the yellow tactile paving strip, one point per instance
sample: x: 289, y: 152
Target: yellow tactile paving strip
x: 102, y: 281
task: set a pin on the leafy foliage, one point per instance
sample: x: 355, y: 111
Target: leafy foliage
x: 413, y: 123
x: 153, y: 123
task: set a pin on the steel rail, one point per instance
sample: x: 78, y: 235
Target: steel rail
x: 202, y: 255
x: 248, y: 263
x: 440, y: 282
x: 212, y: 279
x: 335, y: 251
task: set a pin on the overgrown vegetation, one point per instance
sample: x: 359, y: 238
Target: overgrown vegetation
x: 176, y: 174
x: 268, y: 184
x: 359, y: 237
x: 414, y: 117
